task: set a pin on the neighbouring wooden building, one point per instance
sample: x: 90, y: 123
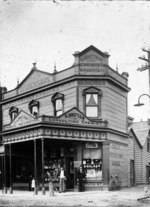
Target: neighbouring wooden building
x: 77, y: 116
x: 139, y: 153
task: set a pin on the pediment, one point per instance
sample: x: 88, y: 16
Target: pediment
x: 92, y: 55
x: 35, y: 79
x: 74, y: 116
x: 22, y: 119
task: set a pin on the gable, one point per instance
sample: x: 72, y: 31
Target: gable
x: 92, y: 60
x: 22, y: 119
x: 142, y: 135
x: 133, y: 135
x: 74, y: 115
x: 34, y: 80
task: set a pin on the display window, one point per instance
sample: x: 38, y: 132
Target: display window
x: 92, y: 161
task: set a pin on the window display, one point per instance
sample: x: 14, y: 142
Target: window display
x: 92, y: 162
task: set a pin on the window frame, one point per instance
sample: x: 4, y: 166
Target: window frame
x: 55, y: 97
x: 92, y: 90
x: 32, y: 104
x: 13, y: 110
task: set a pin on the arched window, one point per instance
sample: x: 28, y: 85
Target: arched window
x: 34, y: 107
x: 13, y: 112
x: 58, y: 103
x: 92, y: 102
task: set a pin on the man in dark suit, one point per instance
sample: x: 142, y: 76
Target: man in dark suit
x: 80, y: 179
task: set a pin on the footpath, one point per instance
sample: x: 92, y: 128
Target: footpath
x: 126, y: 197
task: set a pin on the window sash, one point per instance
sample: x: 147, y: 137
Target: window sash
x: 92, y: 111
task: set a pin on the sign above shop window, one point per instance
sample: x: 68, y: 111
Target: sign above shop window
x: 91, y: 145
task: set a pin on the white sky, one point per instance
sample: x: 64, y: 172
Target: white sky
x: 49, y: 32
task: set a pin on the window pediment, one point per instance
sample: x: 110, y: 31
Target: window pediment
x: 57, y: 96
x: 13, y: 109
x: 92, y: 90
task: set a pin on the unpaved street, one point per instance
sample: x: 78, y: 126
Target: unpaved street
x: 124, y: 198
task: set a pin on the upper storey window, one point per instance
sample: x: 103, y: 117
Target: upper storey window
x: 58, y: 103
x: 34, y: 107
x: 13, y: 112
x: 92, y: 106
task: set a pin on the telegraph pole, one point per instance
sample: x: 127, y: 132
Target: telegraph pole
x: 147, y: 65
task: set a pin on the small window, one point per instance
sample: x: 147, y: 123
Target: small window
x: 34, y: 107
x: 58, y: 103
x: 13, y: 112
x: 92, y: 105
x: 148, y: 144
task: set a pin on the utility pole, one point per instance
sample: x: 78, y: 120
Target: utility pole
x: 147, y: 65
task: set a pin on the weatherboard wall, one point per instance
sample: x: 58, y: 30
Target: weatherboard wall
x: 145, y: 161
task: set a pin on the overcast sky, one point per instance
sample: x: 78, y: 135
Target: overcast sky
x: 48, y: 32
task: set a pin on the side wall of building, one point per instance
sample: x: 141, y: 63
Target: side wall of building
x: 115, y: 107
x: 131, y: 152
x: 145, y: 162
x: 138, y: 164
x: 118, y: 157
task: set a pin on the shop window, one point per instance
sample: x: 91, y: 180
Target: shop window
x: 148, y: 144
x: 92, y: 161
x: 91, y: 102
x: 58, y: 103
x: 34, y: 107
x: 13, y: 112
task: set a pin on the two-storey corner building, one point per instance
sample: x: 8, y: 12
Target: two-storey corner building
x: 74, y: 117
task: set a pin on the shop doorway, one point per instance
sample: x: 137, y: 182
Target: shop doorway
x: 132, y: 173
x: 69, y: 160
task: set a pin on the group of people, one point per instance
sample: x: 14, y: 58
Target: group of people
x: 80, y: 179
x: 60, y: 176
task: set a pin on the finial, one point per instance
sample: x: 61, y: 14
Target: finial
x: 55, y: 70
x: 34, y: 66
x: 117, y: 68
x: 17, y: 82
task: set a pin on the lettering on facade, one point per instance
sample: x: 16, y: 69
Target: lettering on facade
x: 115, y: 146
x: 87, y: 82
x: 91, y: 145
x: 116, y: 155
x: 93, y: 184
x: 94, y: 70
x: 74, y: 115
x: 91, y: 58
x: 21, y: 120
x: 115, y: 163
x: 75, y: 121
x: 36, y: 84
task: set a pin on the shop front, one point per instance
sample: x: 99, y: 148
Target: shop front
x: 37, y: 148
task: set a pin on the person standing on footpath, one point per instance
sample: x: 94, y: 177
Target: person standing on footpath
x: 80, y: 179
x: 62, y: 178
